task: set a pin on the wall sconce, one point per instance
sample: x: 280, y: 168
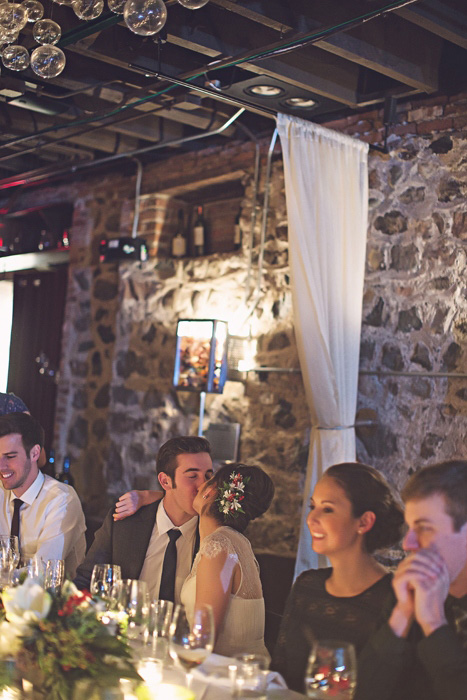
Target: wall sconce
x: 201, y: 356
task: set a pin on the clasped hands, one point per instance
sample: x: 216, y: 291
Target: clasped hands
x: 421, y: 584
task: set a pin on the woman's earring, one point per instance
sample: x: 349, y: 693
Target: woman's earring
x: 205, y: 496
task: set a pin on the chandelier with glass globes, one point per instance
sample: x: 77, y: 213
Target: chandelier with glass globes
x: 143, y: 17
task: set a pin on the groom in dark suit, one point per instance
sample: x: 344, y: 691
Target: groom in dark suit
x: 157, y: 544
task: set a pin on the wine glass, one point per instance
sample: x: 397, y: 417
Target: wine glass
x: 103, y: 579
x: 10, y: 546
x: 160, y: 617
x: 332, y: 671
x: 191, y: 641
x: 54, y: 575
x: 131, y: 596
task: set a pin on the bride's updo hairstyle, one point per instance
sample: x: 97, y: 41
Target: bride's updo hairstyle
x: 366, y: 490
x: 257, y: 494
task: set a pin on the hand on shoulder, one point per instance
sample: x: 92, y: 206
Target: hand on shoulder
x: 132, y: 501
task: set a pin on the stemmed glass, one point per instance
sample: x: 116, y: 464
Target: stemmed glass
x: 9, y: 558
x: 191, y: 642
x: 160, y: 617
x: 54, y: 575
x: 103, y: 579
x: 131, y: 596
x: 332, y: 671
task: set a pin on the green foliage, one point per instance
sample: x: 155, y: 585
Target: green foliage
x: 72, y: 645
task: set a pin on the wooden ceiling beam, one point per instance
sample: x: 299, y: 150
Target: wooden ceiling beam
x: 388, y: 44
x: 436, y: 17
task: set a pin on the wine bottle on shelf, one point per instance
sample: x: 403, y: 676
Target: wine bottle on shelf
x: 65, y: 475
x: 179, y: 240
x: 199, y: 230
x: 237, y: 232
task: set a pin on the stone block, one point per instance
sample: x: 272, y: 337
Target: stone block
x: 391, y: 223
x: 102, y: 398
x: 421, y: 356
x: 441, y: 145
x: 451, y: 357
x: 409, y: 320
x: 404, y: 258
x: 392, y: 357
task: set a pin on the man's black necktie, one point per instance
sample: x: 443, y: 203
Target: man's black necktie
x: 169, y: 567
x: 17, y: 503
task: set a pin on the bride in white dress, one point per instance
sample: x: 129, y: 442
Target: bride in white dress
x: 225, y: 573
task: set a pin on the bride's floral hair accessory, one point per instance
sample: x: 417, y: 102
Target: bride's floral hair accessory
x: 231, y: 494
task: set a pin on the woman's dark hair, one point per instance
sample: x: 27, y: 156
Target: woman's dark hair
x: 366, y: 490
x: 258, y: 494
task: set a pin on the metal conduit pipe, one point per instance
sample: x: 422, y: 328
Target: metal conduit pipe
x: 264, y: 221
x: 364, y: 372
x: 253, y: 138
x: 139, y: 178
x: 71, y: 169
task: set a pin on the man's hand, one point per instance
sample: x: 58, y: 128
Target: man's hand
x: 431, y: 591
x: 421, y: 585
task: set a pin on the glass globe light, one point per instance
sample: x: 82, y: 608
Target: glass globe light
x: 64, y: 2
x: 46, y: 31
x: 116, y: 6
x: 8, y: 37
x: 15, y: 57
x: 48, y: 61
x: 13, y: 16
x: 35, y: 10
x: 145, y: 17
x: 87, y: 9
x: 193, y: 4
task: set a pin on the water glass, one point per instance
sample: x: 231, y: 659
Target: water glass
x: 332, y: 671
x: 131, y: 596
x: 34, y: 568
x: 160, y: 617
x: 54, y: 575
x: 150, y: 670
x: 103, y: 580
x: 250, y: 676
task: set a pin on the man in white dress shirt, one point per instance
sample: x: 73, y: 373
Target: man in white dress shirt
x: 44, y: 513
x: 158, y: 542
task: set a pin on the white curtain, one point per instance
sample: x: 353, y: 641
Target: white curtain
x: 326, y: 184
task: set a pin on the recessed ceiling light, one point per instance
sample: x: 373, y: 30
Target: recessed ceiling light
x: 300, y: 102
x: 265, y: 90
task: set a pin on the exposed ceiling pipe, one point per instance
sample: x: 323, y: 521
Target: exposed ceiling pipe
x: 42, y: 176
x: 139, y: 178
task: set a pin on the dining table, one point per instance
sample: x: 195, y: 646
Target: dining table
x: 213, y: 681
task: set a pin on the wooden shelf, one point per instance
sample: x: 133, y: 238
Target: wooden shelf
x: 33, y: 261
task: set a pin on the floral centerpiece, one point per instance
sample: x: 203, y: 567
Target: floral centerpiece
x: 59, y: 640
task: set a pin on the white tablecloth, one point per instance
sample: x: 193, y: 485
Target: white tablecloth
x: 210, y: 681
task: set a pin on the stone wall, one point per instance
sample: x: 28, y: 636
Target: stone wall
x: 116, y: 403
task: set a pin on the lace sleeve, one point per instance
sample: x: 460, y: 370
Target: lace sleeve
x: 215, y: 544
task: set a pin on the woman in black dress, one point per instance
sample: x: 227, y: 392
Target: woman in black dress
x: 353, y: 513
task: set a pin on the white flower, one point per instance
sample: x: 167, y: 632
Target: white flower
x: 10, y: 639
x: 69, y: 589
x: 26, y: 603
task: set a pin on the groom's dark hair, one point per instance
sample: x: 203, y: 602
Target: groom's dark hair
x: 166, y: 460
